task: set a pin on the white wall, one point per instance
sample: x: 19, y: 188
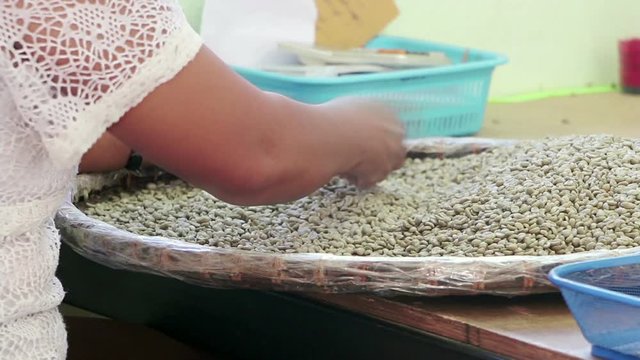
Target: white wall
x: 552, y: 44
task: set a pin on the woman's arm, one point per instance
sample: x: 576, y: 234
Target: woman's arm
x: 217, y: 131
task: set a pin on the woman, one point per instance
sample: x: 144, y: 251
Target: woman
x: 72, y: 71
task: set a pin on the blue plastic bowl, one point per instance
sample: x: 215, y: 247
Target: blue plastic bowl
x: 604, y: 297
x: 439, y: 101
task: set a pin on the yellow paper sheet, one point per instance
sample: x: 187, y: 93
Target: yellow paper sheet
x: 345, y: 24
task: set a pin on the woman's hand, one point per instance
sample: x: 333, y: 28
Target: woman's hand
x: 376, y: 134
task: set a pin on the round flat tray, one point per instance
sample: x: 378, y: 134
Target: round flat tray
x: 225, y: 268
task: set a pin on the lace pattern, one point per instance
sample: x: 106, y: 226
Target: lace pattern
x: 22, y: 339
x: 69, y: 69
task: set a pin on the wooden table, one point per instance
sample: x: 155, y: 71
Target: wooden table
x: 539, y: 327
x: 614, y: 114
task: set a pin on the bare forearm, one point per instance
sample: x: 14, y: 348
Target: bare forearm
x: 242, y: 145
x: 302, y: 148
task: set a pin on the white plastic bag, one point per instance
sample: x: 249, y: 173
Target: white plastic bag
x: 247, y: 32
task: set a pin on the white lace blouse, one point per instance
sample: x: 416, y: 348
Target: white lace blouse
x: 68, y: 70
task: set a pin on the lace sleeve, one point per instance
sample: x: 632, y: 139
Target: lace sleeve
x: 74, y: 67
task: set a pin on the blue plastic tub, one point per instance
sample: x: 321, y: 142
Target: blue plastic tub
x: 604, y: 297
x: 439, y: 101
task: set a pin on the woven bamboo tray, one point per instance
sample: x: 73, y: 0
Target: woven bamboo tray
x: 230, y: 268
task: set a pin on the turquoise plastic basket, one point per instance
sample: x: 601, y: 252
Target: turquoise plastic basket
x: 604, y: 297
x: 440, y: 101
